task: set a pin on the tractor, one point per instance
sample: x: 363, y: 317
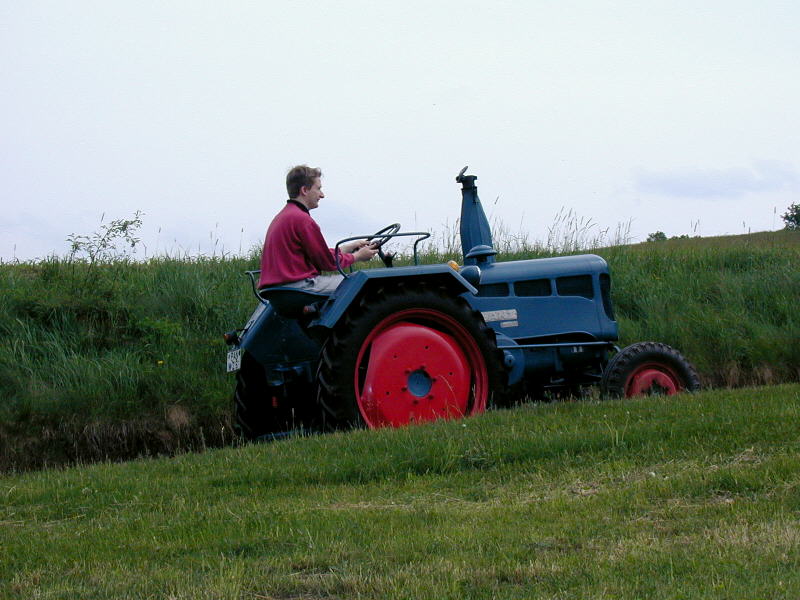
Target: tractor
x: 398, y: 345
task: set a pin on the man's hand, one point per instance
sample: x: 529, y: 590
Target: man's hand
x: 360, y: 249
x: 351, y: 247
x: 365, y: 252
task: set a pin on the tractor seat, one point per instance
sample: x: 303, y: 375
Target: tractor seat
x: 289, y: 302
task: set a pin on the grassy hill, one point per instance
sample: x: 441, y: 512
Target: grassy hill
x: 121, y: 359
x: 685, y: 497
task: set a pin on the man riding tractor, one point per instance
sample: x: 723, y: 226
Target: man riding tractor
x: 295, y: 253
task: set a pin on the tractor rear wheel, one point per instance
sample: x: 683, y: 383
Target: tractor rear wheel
x: 649, y: 368
x: 250, y: 409
x: 265, y: 412
x: 403, y: 355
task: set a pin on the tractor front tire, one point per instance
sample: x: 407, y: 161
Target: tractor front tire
x: 406, y: 354
x: 648, y: 368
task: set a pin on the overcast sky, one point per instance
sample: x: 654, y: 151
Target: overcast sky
x: 680, y: 116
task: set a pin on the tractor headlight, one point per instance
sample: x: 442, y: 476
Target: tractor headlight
x: 472, y: 273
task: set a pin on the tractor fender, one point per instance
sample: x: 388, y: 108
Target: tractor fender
x: 275, y: 340
x: 358, y: 283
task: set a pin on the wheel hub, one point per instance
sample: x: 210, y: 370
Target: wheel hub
x: 651, y: 381
x: 419, y: 383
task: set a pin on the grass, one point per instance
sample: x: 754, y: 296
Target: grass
x: 731, y: 308
x: 108, y: 355
x: 115, y: 358
x: 684, y: 497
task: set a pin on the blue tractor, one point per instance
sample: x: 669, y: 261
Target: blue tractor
x: 398, y: 345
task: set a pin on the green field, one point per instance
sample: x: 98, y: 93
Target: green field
x: 694, y: 496
x: 119, y: 359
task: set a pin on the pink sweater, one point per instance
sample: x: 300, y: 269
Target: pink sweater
x: 294, y: 248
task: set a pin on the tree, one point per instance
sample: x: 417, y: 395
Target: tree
x: 658, y: 236
x: 792, y: 217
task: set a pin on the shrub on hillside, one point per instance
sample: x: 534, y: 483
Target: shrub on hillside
x: 792, y: 217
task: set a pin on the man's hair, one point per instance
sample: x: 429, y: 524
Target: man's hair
x: 300, y: 176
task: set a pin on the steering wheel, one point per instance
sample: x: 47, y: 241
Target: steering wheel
x: 380, y: 237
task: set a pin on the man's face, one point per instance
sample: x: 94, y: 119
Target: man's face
x: 311, y: 195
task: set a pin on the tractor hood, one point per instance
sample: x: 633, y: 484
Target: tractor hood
x: 542, y: 268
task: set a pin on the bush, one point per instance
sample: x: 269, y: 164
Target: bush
x: 792, y: 217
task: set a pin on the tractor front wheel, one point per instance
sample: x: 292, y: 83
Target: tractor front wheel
x: 406, y: 355
x: 649, y: 368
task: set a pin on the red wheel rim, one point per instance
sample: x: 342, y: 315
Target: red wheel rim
x: 652, y: 379
x: 419, y: 365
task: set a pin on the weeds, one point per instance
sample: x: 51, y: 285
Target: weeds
x: 111, y: 243
x: 568, y: 234
x: 145, y: 336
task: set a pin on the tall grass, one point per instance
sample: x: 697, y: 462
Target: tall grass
x: 132, y: 351
x: 569, y: 233
x: 732, y: 309
x: 115, y: 347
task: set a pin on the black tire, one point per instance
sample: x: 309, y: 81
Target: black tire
x: 250, y: 408
x: 261, y: 412
x: 343, y: 371
x: 648, y: 368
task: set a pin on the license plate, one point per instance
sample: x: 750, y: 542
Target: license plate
x: 234, y: 360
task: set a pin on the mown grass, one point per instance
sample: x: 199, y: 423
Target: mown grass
x: 684, y: 497
x: 123, y: 358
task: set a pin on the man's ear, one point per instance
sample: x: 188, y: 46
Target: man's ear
x: 303, y: 190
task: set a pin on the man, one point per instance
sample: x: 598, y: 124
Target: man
x: 295, y: 253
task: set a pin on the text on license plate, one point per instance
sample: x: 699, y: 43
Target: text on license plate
x: 234, y: 360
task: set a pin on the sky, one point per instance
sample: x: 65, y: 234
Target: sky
x: 674, y: 116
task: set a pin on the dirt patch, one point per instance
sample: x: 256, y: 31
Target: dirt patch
x: 66, y: 443
x: 178, y: 417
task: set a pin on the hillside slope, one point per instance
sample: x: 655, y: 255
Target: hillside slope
x: 122, y: 359
x: 685, y: 497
